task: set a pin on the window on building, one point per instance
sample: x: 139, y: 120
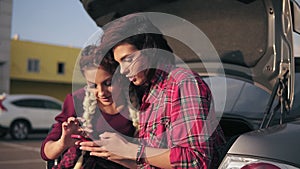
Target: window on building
x: 33, y: 65
x: 60, y: 68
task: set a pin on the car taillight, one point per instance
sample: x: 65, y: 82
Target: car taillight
x: 241, y: 162
x: 261, y: 165
x: 2, y: 108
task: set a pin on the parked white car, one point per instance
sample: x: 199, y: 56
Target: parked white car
x: 22, y: 114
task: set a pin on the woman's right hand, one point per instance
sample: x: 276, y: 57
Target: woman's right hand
x: 69, y: 127
x: 53, y: 149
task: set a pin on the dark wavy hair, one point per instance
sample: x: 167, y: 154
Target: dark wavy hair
x: 137, y: 30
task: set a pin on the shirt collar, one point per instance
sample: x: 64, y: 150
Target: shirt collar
x: 160, y: 74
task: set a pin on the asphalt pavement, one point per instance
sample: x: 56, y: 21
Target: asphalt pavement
x: 21, y: 154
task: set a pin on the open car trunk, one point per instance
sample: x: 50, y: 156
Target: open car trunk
x: 253, y: 42
x: 252, y: 38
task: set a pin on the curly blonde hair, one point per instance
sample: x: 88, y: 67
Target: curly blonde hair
x: 89, y: 107
x: 92, y: 57
x: 133, y: 106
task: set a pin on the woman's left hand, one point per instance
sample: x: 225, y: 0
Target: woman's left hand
x: 94, y: 148
x: 99, y: 151
x: 111, y: 146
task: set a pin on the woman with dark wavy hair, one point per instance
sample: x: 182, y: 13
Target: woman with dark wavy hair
x: 175, y: 125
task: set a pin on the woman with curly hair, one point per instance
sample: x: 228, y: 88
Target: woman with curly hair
x: 90, y: 111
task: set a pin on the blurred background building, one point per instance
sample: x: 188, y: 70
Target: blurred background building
x: 33, y: 68
x: 5, y: 30
x: 38, y: 68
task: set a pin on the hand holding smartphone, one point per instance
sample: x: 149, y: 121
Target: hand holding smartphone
x: 79, y: 137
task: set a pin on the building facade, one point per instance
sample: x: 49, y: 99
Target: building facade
x: 38, y: 68
x: 5, y: 31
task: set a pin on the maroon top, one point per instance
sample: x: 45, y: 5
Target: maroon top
x: 72, y: 107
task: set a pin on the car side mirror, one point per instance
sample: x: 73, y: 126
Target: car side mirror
x: 296, y: 16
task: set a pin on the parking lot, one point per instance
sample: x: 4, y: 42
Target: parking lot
x: 21, y: 154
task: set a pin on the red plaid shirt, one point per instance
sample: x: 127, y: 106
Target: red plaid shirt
x: 177, y: 113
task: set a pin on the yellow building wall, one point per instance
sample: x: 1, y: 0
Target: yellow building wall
x: 48, y: 55
x: 47, y: 81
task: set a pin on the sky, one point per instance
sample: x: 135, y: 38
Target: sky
x: 60, y: 22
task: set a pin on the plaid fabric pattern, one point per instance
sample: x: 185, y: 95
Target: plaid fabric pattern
x: 69, y: 158
x: 176, y: 113
x: 92, y: 162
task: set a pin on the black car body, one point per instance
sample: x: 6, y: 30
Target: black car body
x: 254, y: 43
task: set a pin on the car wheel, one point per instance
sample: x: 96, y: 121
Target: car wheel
x: 19, y: 130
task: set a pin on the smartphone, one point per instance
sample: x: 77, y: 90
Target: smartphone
x: 79, y: 137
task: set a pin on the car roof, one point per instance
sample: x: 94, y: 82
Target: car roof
x: 12, y: 97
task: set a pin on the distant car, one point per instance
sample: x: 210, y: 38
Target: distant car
x: 22, y: 114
